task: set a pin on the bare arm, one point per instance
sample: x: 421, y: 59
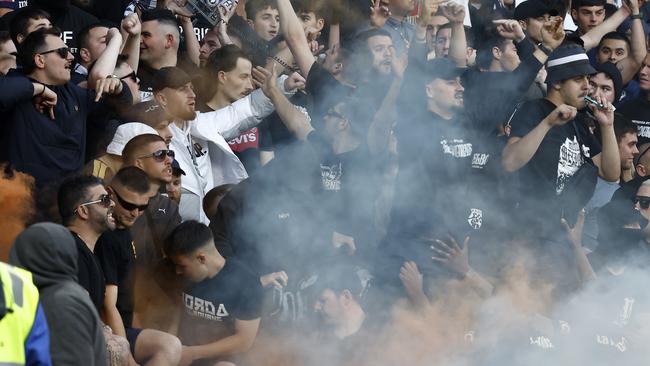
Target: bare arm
x: 386, y: 115
x: 296, y: 121
x: 630, y: 65
x: 335, y: 35
x: 520, y: 150
x: 585, y: 270
x: 192, y: 46
x: 105, y: 64
x: 458, y: 47
x: 241, y: 341
x: 111, y: 316
x: 295, y: 36
x: 130, y: 29
x: 593, y: 37
x: 608, y: 161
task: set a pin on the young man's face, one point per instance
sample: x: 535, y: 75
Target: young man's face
x: 574, y: 90
x: 644, y: 74
x: 266, y: 23
x: 509, y: 57
x: 7, y: 57
x: 612, y: 50
x: 153, y: 41
x: 432, y: 30
x: 157, y: 169
x: 209, y: 44
x: 174, y: 189
x: 600, y: 82
x: 382, y: 51
x: 328, y: 308
x: 99, y: 217
x: 588, y: 17
x: 191, y: 266
x: 57, y: 68
x: 533, y: 27
x: 447, y: 94
x: 443, y: 41
x: 95, y: 44
x: 627, y: 150
x: 180, y: 102
x: 126, y: 201
x: 311, y: 21
x: 643, y: 191
x: 237, y: 83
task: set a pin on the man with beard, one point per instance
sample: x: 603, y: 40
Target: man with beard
x: 86, y: 209
x: 116, y: 252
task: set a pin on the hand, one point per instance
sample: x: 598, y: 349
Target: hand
x: 179, y: 10
x: 110, y: 86
x: 226, y: 14
x: 451, y: 255
x: 45, y: 101
x: 379, y: 13
x: 412, y: 280
x: 339, y: 240
x: 575, y: 233
x: 294, y: 81
x: 605, y: 115
x: 265, y: 79
x: 331, y: 63
x: 312, y: 35
x: 561, y: 115
x: 429, y: 8
x: 278, y: 279
x: 113, y: 33
x: 510, y: 29
x: 553, y: 33
x: 541, y: 76
x: 187, y: 356
x: 131, y: 24
x: 632, y: 5
x: 453, y: 11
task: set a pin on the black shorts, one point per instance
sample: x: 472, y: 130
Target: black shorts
x: 131, y: 336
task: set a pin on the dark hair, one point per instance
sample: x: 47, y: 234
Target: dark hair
x: 20, y: 21
x: 615, y: 35
x: 254, y: 6
x: 576, y: 4
x: 186, y: 238
x: 72, y: 192
x: 134, y: 147
x: 363, y: 37
x: 623, y: 126
x: 225, y: 59
x: 163, y: 16
x: 132, y: 178
x: 33, y: 44
x: 5, y: 36
x: 311, y: 6
x: 484, y: 54
x: 444, y: 26
x: 82, y: 36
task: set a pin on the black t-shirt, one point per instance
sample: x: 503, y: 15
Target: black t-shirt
x: 324, y: 89
x: 559, y: 156
x: 89, y: 273
x: 212, y: 306
x: 116, y: 253
x: 638, y: 110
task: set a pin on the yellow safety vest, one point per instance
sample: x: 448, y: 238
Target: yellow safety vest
x: 21, y: 297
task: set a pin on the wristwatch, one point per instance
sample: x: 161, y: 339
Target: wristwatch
x: 544, y: 49
x: 637, y: 16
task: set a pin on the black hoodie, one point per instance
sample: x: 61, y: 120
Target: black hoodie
x: 49, y: 252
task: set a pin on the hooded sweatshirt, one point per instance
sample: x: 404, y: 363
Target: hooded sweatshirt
x: 49, y: 252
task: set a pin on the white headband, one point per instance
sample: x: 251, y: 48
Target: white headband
x: 568, y: 59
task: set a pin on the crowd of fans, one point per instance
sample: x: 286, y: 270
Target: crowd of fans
x: 305, y: 182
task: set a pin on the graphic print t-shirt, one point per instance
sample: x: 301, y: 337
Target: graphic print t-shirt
x: 211, y: 307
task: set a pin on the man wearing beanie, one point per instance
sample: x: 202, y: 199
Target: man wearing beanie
x: 548, y: 145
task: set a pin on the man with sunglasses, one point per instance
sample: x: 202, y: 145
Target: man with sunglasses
x: 116, y: 251
x: 86, y: 209
x: 45, y: 115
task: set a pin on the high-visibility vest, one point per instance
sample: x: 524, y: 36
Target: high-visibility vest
x: 21, y: 300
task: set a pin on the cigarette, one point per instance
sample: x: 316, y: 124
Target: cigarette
x: 589, y: 99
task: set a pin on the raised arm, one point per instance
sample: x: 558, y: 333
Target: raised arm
x: 458, y: 48
x: 192, y: 46
x: 593, y: 37
x: 386, y: 115
x: 130, y: 29
x: 520, y: 150
x: 105, y: 64
x: 608, y: 161
x: 630, y: 65
x: 297, y: 121
x: 294, y: 34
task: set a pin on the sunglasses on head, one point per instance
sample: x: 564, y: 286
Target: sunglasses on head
x: 63, y: 52
x: 643, y: 201
x: 132, y: 75
x: 159, y: 155
x: 104, y: 200
x: 128, y: 205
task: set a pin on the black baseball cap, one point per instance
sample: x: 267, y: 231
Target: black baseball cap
x: 443, y: 68
x: 533, y: 9
x: 169, y: 77
x: 176, y: 168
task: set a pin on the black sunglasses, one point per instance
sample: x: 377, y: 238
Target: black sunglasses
x: 128, y: 205
x: 159, y: 155
x: 63, y: 52
x: 643, y: 201
x: 132, y: 75
x: 104, y: 200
